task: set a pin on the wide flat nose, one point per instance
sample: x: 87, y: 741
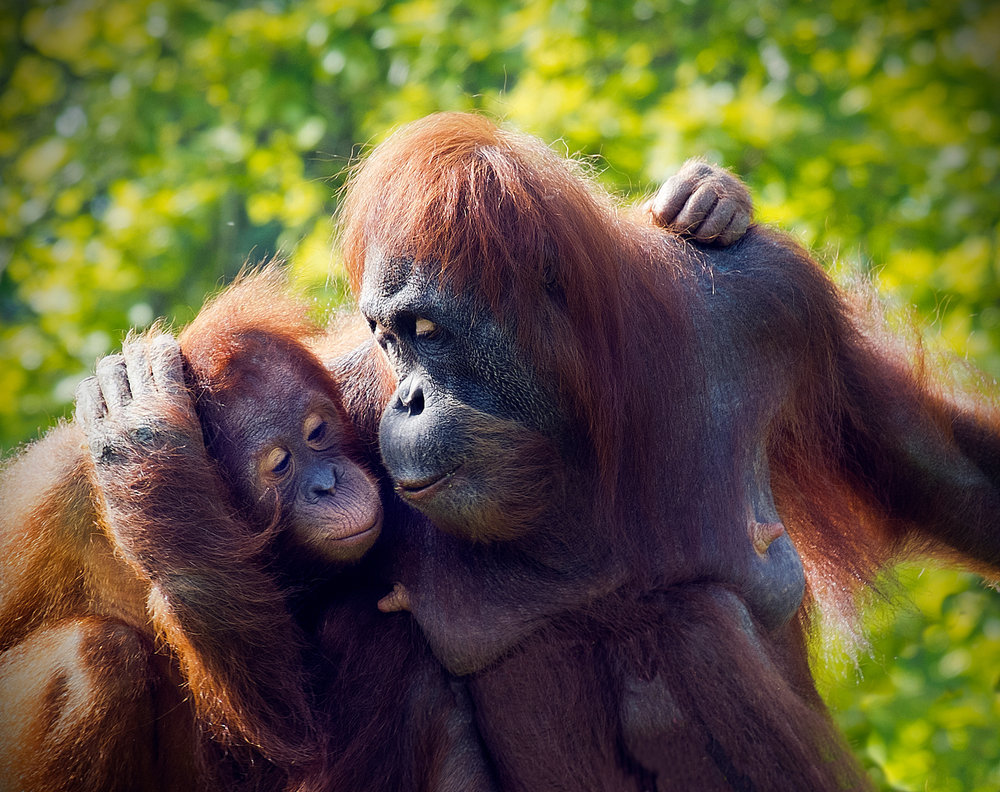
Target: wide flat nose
x: 322, y: 481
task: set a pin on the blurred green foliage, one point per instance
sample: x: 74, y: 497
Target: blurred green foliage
x: 922, y: 708
x: 148, y: 148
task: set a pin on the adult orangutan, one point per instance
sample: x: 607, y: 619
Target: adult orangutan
x: 216, y: 592
x: 610, y: 429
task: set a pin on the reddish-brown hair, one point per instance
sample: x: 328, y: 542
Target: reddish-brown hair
x: 255, y: 313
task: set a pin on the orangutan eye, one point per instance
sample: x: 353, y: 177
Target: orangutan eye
x: 317, y: 432
x: 425, y: 328
x: 277, y: 462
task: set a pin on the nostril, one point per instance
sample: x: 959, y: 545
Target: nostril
x: 411, y: 396
x: 416, y: 403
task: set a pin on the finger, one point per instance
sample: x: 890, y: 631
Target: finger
x: 90, y: 407
x: 396, y: 600
x: 716, y: 222
x: 697, y: 208
x: 736, y: 229
x: 140, y: 377
x: 675, y: 192
x: 669, y: 199
x: 167, y: 365
x: 113, y: 382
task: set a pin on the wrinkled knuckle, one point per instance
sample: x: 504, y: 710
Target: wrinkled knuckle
x: 707, y: 172
x: 108, y: 364
x: 671, y: 183
x: 123, y: 443
x: 165, y: 347
x: 724, y: 190
x: 166, y: 341
x: 697, y: 168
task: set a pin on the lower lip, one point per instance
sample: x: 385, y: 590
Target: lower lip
x: 427, y: 490
x: 358, y: 537
x: 374, y: 528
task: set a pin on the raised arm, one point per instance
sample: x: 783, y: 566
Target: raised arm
x: 170, y: 516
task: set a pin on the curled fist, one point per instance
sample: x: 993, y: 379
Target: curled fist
x: 704, y: 202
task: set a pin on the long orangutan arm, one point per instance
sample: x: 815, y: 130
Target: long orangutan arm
x: 873, y: 458
x: 167, y: 509
x: 934, y: 465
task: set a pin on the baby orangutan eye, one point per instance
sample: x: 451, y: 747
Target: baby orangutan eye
x: 317, y: 432
x: 277, y: 462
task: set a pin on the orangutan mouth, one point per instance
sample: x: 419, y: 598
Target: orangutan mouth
x: 423, y: 489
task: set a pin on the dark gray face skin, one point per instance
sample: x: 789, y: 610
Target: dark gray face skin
x: 471, y: 435
x: 291, y: 445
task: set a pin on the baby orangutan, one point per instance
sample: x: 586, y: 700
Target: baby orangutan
x: 185, y: 606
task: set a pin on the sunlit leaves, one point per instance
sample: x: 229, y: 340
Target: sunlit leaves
x: 148, y: 148
x: 922, y: 710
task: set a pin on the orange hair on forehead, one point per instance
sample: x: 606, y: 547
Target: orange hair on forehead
x: 255, y: 315
x: 246, y: 342
x: 486, y: 204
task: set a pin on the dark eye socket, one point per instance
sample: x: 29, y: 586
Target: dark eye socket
x: 408, y: 328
